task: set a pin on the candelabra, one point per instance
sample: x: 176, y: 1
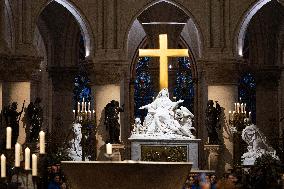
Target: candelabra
x: 83, y: 112
x: 238, y: 120
x: 85, y: 116
x: 239, y: 117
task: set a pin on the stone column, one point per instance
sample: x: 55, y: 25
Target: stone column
x: 62, y: 96
x: 221, y: 78
x: 267, y: 102
x: 3, y: 44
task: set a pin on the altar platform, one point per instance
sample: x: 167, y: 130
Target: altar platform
x: 126, y: 174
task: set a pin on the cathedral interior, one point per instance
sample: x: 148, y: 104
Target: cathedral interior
x: 49, y: 47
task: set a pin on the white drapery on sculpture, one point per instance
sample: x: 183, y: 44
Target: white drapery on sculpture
x: 164, y: 120
x: 257, y: 145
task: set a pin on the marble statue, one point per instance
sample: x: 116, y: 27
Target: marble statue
x: 257, y: 145
x: 75, y: 151
x: 164, y: 120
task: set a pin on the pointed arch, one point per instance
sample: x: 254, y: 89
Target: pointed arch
x: 81, y: 20
x: 179, y: 6
x: 11, y: 24
x: 240, y: 37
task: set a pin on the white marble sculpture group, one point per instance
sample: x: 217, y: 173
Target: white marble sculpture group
x: 164, y: 120
x: 257, y: 145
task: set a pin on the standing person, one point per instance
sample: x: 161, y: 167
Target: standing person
x: 228, y: 183
x: 213, y: 181
x: 55, y: 183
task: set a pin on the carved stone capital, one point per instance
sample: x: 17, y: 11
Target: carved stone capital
x: 62, y: 77
x: 222, y: 72
x: 108, y: 72
x: 18, y: 68
x: 268, y: 76
x: 213, y: 148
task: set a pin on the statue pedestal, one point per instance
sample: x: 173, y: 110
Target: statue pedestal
x: 170, y: 150
x: 213, y: 161
x: 116, y: 152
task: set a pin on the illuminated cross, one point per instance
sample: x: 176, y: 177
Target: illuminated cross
x: 163, y: 53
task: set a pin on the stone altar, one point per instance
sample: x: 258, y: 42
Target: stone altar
x: 126, y: 174
x: 187, y: 147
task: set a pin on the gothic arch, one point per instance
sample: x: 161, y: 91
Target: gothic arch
x: 199, y: 35
x: 243, y: 25
x: 82, y: 22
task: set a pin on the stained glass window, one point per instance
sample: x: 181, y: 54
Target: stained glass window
x: 184, y: 88
x: 143, y: 87
x: 247, y: 94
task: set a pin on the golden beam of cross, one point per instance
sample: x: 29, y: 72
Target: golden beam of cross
x: 163, y: 53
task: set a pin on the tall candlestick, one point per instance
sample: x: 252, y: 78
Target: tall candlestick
x: 8, y: 137
x: 17, y: 154
x: 41, y: 142
x: 3, y: 166
x: 27, y: 159
x: 34, y: 165
x: 109, y: 148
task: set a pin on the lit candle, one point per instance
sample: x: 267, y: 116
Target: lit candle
x: 250, y: 116
x: 78, y: 108
x: 89, y: 106
x: 109, y: 148
x: 17, y: 154
x: 3, y: 166
x: 242, y: 107
x: 34, y: 165
x: 8, y: 137
x: 83, y: 104
x: 238, y: 107
x: 27, y: 159
x: 41, y: 142
x: 74, y: 115
x: 235, y: 106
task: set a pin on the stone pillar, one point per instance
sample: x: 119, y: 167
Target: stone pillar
x: 62, y: 96
x: 267, y: 102
x: 25, y: 28
x: 3, y: 42
x: 221, y: 78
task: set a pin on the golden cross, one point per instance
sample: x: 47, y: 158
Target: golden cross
x: 163, y: 53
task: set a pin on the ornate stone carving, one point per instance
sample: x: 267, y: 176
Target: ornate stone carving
x: 164, y: 120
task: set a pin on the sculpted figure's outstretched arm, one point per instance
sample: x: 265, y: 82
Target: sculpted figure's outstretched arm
x: 175, y: 104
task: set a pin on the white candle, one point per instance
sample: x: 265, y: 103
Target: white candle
x: 3, y: 166
x: 27, y: 159
x: 34, y: 165
x: 17, y: 154
x: 8, y: 137
x: 78, y: 108
x: 242, y: 107
x: 83, y: 104
x: 41, y: 142
x: 74, y: 115
x: 109, y: 148
x: 230, y: 115
x: 235, y: 106
x: 89, y: 106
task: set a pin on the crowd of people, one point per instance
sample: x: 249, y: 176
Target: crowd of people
x: 207, y: 181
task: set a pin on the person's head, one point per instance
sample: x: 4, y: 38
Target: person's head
x: 191, y: 181
x: 232, y: 178
x: 56, y: 178
x: 213, y: 178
